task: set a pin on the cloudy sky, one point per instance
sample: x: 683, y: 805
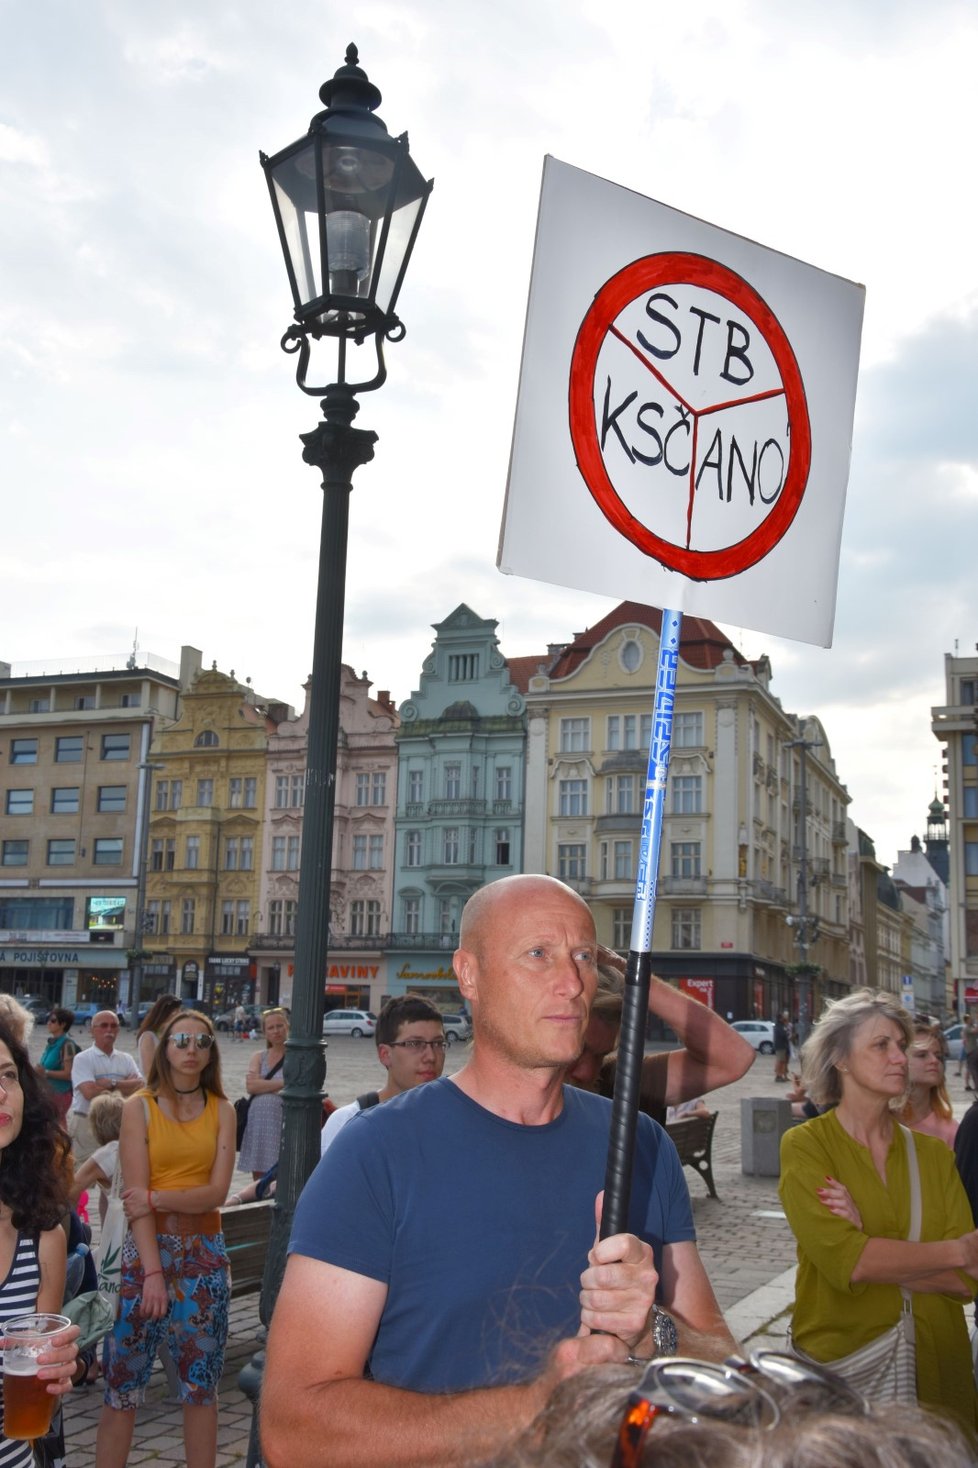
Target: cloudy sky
x: 151, y: 471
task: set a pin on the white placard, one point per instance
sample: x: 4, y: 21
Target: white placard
x: 684, y: 420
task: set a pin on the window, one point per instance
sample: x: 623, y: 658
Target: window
x: 365, y: 919
x: 292, y: 854
x: 450, y: 845
x: 971, y: 858
x: 970, y: 793
x: 231, y: 854
x: 686, y: 927
x: 687, y: 795
x: 14, y: 853
x: 108, y: 851
x: 463, y: 667
x: 205, y: 792
x: 502, y: 848
x: 234, y: 918
x: 687, y: 731
x: 164, y: 917
x: 372, y: 788
x: 620, y: 795
x: 415, y: 785
x: 151, y: 917
x: 188, y: 913
x: 359, y: 853
x: 571, y: 862
x: 61, y: 852
x: 297, y: 791
x: 967, y: 694
x: 376, y: 853
x: 64, y: 800
x: 35, y: 913
x: 235, y: 792
x: 623, y: 730
x: 573, y: 797
x: 281, y: 918
x: 116, y: 746
x: 24, y: 751
x: 162, y: 854
x: 251, y: 792
x: 247, y: 853
x: 281, y: 791
x: 363, y: 789
x: 20, y: 802
x: 412, y: 849
x: 130, y: 701
x: 85, y: 701
x: 622, y: 854
x: 621, y: 923
x: 453, y: 781
x: 39, y: 706
x: 169, y: 794
x: 967, y: 749
x: 68, y: 749
x: 278, y: 853
x: 412, y: 915
x: 206, y: 739
x: 685, y: 858
x: 111, y: 797
x: 504, y: 782
x: 575, y: 735
x: 192, y: 853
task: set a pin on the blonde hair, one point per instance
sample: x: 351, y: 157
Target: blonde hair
x: 940, y: 1101
x: 830, y: 1042
x: 105, y: 1115
x: 16, y: 1017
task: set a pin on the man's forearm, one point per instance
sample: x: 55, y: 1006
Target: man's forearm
x: 360, y: 1424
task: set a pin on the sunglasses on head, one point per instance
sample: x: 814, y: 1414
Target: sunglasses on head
x: 183, y: 1041
x: 696, y: 1391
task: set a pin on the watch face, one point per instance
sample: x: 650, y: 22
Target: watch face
x: 664, y: 1333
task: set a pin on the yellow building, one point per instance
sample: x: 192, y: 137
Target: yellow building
x: 752, y: 892
x: 204, y: 842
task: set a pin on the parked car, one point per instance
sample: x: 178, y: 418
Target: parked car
x: 355, y: 1022
x: 225, y: 1020
x: 457, y: 1027
x: 952, y: 1037
x: 35, y: 1005
x: 757, y: 1032
x: 85, y: 1012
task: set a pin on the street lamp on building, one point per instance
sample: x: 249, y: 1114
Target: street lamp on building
x: 348, y: 201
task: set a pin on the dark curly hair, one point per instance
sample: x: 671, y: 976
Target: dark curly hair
x: 34, y: 1167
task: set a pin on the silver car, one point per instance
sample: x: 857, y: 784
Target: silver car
x: 355, y: 1022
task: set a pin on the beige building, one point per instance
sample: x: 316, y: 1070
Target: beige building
x: 204, y: 842
x: 74, y: 744
x: 955, y: 724
x: 752, y: 909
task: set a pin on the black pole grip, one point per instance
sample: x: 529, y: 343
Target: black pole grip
x: 628, y: 1081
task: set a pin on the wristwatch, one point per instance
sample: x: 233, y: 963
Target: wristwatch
x: 665, y: 1337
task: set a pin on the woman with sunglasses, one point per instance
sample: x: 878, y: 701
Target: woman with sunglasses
x: 928, y: 1107
x: 55, y: 1062
x: 263, y: 1082
x: 177, y: 1152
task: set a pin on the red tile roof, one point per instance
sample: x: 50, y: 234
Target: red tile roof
x: 701, y: 644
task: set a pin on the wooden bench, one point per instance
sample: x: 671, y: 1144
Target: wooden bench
x: 693, y: 1136
x: 246, y: 1234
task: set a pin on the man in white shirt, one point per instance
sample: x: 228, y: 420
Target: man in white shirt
x: 94, y: 1072
x: 410, y: 1040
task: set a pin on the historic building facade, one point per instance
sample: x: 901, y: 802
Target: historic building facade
x: 751, y: 908
x: 363, y: 851
x: 73, y: 754
x: 955, y: 724
x: 460, y: 785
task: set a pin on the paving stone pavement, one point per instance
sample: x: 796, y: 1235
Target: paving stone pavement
x: 743, y: 1237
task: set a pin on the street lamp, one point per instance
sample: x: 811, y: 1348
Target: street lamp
x: 139, y: 937
x: 348, y: 201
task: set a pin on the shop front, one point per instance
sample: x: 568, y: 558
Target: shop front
x: 229, y: 980
x: 61, y: 968
x: 429, y: 974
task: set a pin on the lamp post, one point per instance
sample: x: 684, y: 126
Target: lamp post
x: 348, y: 201
x: 139, y: 938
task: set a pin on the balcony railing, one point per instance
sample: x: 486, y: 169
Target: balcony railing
x: 464, y: 809
x: 683, y: 886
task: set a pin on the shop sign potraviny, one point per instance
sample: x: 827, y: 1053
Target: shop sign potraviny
x: 684, y: 420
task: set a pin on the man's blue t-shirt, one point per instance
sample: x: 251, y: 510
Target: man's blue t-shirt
x: 479, y: 1227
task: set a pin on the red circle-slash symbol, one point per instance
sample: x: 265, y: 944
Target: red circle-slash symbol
x: 679, y: 268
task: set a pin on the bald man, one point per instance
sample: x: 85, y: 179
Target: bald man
x: 95, y: 1071
x: 446, y: 1243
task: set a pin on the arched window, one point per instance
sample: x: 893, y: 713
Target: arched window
x: 206, y: 740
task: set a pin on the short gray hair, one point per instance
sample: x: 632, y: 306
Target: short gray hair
x: 831, y: 1040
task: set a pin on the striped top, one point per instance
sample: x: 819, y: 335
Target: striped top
x: 18, y: 1296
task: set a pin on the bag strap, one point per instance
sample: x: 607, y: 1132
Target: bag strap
x: 275, y: 1068
x: 369, y: 1098
x: 913, y: 1168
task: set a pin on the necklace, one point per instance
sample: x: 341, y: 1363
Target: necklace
x: 198, y: 1087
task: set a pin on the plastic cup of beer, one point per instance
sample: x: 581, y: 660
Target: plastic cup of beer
x: 28, y: 1406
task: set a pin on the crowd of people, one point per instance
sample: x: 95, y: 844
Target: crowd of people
x: 446, y: 1256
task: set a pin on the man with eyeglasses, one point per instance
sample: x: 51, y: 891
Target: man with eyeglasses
x: 94, y: 1072
x: 410, y: 1040
x: 444, y: 1273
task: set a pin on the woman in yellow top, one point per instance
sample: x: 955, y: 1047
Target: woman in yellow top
x: 845, y: 1187
x: 177, y: 1154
